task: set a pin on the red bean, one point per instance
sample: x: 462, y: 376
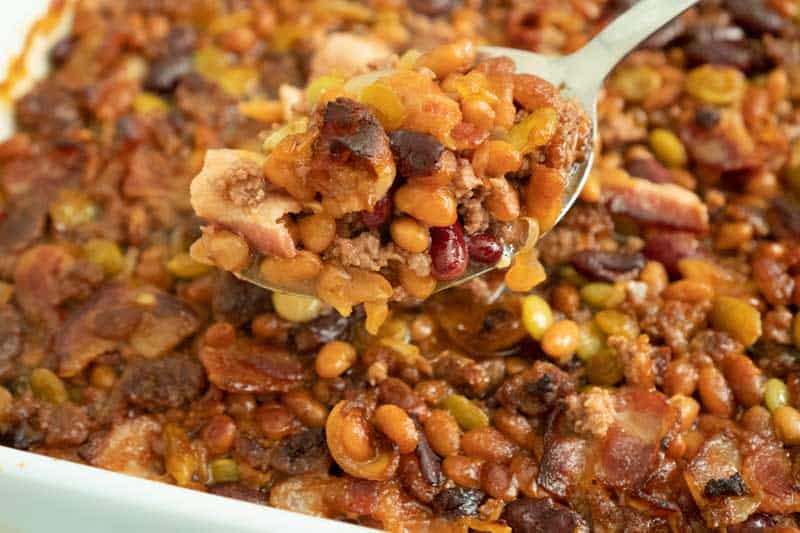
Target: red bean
x: 380, y: 214
x: 432, y: 8
x: 448, y: 252
x: 485, y: 248
x: 648, y: 168
x: 755, y: 16
x: 725, y: 46
x: 669, y: 247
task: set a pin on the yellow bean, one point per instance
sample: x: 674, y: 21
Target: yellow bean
x: 737, y: 318
x: 668, y: 148
x: 536, y: 315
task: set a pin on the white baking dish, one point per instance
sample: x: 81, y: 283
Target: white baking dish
x: 43, y: 495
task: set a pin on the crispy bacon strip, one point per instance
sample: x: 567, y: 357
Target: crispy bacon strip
x: 661, y: 204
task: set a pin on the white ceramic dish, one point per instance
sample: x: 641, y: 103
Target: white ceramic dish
x: 43, y: 495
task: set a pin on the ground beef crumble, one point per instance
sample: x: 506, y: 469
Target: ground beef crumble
x: 244, y: 186
x: 592, y: 411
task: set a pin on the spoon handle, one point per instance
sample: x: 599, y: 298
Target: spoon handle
x: 595, y: 60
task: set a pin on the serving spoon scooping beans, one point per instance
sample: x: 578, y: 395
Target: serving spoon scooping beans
x: 580, y: 76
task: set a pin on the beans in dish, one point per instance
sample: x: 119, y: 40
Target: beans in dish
x: 650, y: 383
x: 395, y: 180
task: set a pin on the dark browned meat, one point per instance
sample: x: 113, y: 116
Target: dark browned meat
x: 163, y: 382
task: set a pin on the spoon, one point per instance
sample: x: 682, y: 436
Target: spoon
x: 580, y: 76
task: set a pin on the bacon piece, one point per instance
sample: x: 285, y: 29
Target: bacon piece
x: 23, y: 220
x: 231, y: 190
x: 325, y: 496
x: 607, y: 438
x: 767, y: 471
x: 127, y: 449
x: 719, y: 460
x: 563, y: 464
x: 727, y: 146
x: 660, y: 204
x: 149, y: 321
x: 165, y: 323
x: 629, y: 449
x: 46, y: 276
x: 347, y: 54
x: 146, y: 177
x: 246, y: 366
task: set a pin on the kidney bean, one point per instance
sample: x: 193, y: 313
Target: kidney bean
x: 432, y: 8
x: 669, y: 247
x: 484, y: 248
x: 727, y: 46
x: 648, y: 168
x: 429, y: 463
x: 528, y: 515
x: 457, y: 502
x: 448, y: 252
x: 755, y: 16
x: 380, y: 214
x: 608, y: 266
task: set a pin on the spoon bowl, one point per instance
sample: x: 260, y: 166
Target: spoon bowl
x: 580, y: 76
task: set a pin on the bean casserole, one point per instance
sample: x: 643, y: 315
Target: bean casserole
x: 651, y: 383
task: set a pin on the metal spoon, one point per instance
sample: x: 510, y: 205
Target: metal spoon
x: 580, y: 76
